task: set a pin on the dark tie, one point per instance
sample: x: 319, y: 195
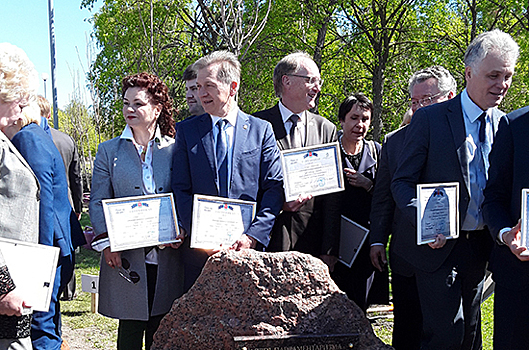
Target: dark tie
x: 295, y: 133
x: 482, y: 127
x: 221, y: 152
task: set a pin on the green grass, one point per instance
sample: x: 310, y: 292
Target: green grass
x: 101, y: 332
x: 384, y: 327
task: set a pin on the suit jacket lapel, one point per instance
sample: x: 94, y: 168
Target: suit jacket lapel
x: 457, y: 125
x: 205, y: 132
x: 127, y: 164
x: 242, y: 128
x: 283, y: 142
x: 311, y: 136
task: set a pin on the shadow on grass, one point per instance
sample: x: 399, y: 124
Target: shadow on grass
x: 74, y: 313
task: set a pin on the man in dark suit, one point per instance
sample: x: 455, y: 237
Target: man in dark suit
x: 251, y: 169
x: 508, y: 175
x: 192, y: 100
x: 449, y: 142
x: 427, y: 86
x: 300, y: 225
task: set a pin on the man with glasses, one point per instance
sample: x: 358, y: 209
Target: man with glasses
x: 450, y: 142
x: 427, y: 86
x: 299, y: 227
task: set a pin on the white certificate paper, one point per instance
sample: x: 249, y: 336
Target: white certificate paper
x: 141, y: 221
x: 437, y: 211
x: 525, y: 224
x: 314, y: 170
x: 219, y: 222
x: 32, y: 267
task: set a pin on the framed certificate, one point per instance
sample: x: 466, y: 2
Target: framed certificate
x: 219, y: 222
x: 314, y: 170
x: 141, y: 221
x: 525, y: 224
x: 32, y: 267
x: 352, y: 237
x: 437, y: 211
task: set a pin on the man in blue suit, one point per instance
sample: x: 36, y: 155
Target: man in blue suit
x: 251, y: 169
x: 450, y: 142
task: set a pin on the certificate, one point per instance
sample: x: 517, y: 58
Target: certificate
x: 314, y: 170
x: 352, y: 237
x: 32, y: 267
x: 525, y: 225
x: 141, y: 221
x: 437, y: 211
x: 219, y: 221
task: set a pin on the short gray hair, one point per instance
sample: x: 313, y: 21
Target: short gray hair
x: 495, y: 40
x: 18, y: 77
x: 445, y: 81
x: 230, y: 67
x: 288, y: 65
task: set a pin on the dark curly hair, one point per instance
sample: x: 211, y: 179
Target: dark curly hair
x: 159, y: 93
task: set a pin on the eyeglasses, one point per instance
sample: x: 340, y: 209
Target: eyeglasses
x: 309, y: 80
x: 425, y: 101
x: 128, y: 275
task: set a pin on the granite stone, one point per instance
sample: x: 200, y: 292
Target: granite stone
x: 250, y: 293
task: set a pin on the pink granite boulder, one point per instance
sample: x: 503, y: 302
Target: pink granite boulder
x: 250, y: 293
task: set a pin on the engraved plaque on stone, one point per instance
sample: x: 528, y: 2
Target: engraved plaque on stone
x: 298, y: 342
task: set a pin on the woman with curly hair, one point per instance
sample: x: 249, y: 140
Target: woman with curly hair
x: 136, y: 163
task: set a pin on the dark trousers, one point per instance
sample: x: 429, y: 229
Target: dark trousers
x: 450, y: 297
x: 46, y: 326
x: 407, y: 325
x: 510, y: 318
x: 131, y: 332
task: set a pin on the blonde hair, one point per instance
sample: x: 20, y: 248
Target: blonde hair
x: 18, y: 77
x: 44, y: 106
x: 31, y: 114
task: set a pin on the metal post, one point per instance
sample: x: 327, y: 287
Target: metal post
x: 53, y: 65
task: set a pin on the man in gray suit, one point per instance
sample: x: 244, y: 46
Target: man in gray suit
x: 450, y: 142
x: 299, y: 226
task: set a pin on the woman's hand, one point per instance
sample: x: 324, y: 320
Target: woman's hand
x: 113, y: 259
x: 356, y: 179
x: 12, y: 304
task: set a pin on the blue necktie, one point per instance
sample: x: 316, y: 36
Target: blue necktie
x: 221, y: 152
x: 485, y: 141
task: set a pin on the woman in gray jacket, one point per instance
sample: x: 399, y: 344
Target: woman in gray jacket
x: 136, y: 163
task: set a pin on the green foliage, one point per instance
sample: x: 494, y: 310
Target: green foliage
x: 361, y: 46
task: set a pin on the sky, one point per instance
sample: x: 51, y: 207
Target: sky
x: 24, y: 23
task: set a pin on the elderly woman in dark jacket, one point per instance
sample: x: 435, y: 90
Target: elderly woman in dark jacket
x: 359, y: 158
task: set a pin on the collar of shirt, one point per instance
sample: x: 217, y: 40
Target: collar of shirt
x: 231, y: 117
x: 230, y: 129
x: 287, y: 113
x: 149, y: 186
x: 128, y: 135
x: 471, y: 111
